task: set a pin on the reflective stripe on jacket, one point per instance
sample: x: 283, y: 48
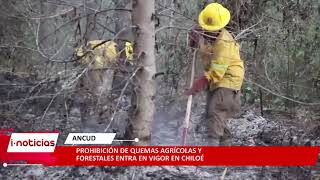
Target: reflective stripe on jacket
x: 222, y: 62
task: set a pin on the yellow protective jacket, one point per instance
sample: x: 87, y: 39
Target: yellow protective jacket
x: 99, y: 54
x: 222, y: 62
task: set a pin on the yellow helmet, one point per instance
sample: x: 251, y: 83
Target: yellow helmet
x: 214, y: 17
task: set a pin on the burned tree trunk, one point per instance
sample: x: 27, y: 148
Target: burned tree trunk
x: 142, y: 18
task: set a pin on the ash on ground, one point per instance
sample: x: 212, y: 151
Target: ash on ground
x: 248, y: 129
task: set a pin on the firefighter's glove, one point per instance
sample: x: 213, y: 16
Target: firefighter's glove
x: 201, y: 84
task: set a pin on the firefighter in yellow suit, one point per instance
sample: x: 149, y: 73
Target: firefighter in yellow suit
x: 223, y: 71
x: 102, y: 56
x: 100, y: 59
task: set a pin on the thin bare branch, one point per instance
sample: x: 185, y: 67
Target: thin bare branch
x: 282, y: 96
